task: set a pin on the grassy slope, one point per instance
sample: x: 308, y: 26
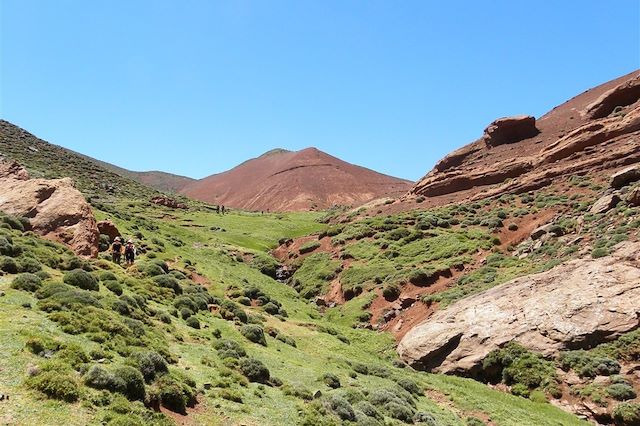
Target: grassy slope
x: 215, y: 245
x: 316, y: 352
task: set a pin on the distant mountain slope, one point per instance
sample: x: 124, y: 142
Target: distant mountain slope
x: 43, y: 159
x: 161, y: 181
x: 281, y: 180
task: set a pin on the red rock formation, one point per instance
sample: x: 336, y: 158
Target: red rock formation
x: 55, y: 209
x: 168, y: 202
x: 510, y: 130
x: 568, y: 143
x: 106, y: 227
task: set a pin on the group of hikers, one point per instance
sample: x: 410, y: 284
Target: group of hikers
x: 219, y: 209
x: 118, y: 249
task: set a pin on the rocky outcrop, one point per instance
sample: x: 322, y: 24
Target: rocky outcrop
x: 168, y: 202
x: 633, y: 197
x: 625, y: 94
x: 574, y: 153
x: 605, y: 203
x: 106, y: 227
x: 625, y: 176
x: 55, y: 209
x: 507, y: 130
x: 575, y: 305
x: 13, y: 170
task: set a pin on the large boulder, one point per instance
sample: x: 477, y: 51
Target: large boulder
x: 55, y: 209
x: 575, y: 305
x: 108, y: 228
x: 13, y: 170
x: 168, y: 202
x: 510, y: 130
x: 625, y: 176
x: 605, y: 203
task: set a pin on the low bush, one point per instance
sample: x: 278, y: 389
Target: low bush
x: 56, y: 384
x: 132, y: 382
x: 8, y: 265
x: 254, y: 333
x: 113, y: 286
x: 340, y: 407
x: 193, y: 322
x: 229, y: 349
x: 150, y: 364
x: 627, y: 413
x: 410, y: 386
x: 331, y: 380
x: 587, y: 364
x: 621, y: 391
x: 81, y: 279
x: 391, y: 292
x: 254, y: 370
x: 168, y: 281
x: 26, y: 282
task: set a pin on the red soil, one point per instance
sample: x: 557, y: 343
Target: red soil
x: 291, y: 181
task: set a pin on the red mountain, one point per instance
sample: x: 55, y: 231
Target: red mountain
x: 281, y: 180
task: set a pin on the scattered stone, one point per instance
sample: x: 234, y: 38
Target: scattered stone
x: 389, y: 315
x: 317, y: 394
x: 625, y: 176
x: 406, y: 301
x: 207, y: 386
x: 32, y: 370
x: 541, y: 230
x: 168, y: 202
x: 605, y: 203
x: 633, y: 197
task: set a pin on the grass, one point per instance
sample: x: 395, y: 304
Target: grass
x: 216, y: 247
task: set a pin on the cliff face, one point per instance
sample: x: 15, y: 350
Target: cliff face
x: 597, y: 130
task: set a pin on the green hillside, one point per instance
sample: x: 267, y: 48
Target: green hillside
x: 198, y: 332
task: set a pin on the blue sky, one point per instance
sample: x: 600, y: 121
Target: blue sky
x: 196, y: 87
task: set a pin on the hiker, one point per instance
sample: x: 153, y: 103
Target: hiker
x: 129, y: 252
x: 222, y: 209
x: 116, y: 250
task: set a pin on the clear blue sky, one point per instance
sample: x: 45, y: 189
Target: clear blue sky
x: 196, y: 87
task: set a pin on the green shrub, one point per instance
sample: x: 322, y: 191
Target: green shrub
x: 107, y: 276
x: 168, y: 281
x: 26, y: 282
x: 399, y: 411
x: 254, y: 333
x: 331, y: 380
x: 150, y: 364
x: 113, y: 286
x: 98, y: 377
x: 474, y: 421
x: 340, y: 407
x: 587, y: 364
x: 265, y: 264
x: 8, y: 265
x: 599, y: 252
x: 81, y: 279
x: 230, y: 395
x: 621, y: 391
x: 254, y: 370
x: 391, y: 292
x: 176, y: 391
x: 410, y: 386
x: 178, y: 275
x: 627, y: 414
x: 229, y: 349
x: 56, y: 384
x: 132, y: 382
x: 29, y: 264
x: 513, y: 227
x: 193, y: 322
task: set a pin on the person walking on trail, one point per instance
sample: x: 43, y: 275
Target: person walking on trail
x: 129, y: 252
x: 222, y: 209
x: 116, y: 250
